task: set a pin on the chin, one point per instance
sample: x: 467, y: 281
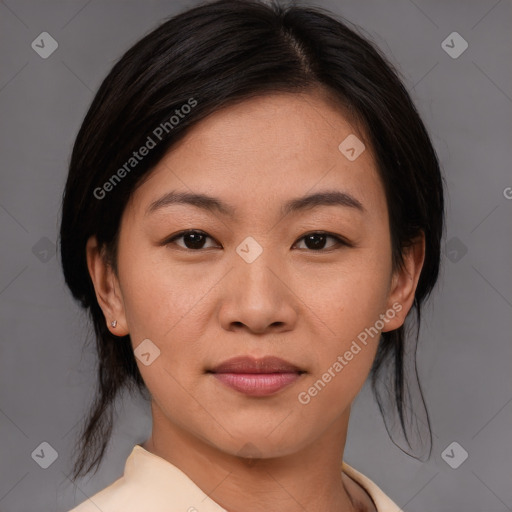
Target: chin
x: 256, y: 443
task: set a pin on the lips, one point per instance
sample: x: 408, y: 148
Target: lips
x: 257, y: 377
x: 246, y: 364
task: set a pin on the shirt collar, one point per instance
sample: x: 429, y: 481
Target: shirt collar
x: 149, y: 472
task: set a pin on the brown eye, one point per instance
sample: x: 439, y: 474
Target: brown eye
x: 195, y: 240
x: 192, y: 239
x: 317, y: 241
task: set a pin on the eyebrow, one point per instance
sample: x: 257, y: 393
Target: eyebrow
x: 212, y: 204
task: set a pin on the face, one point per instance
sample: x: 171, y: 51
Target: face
x: 259, y: 270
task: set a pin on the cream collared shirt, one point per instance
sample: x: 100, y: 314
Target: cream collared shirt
x: 152, y: 484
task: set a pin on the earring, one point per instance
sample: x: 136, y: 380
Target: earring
x: 113, y: 323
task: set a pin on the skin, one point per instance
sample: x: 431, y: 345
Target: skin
x: 201, y: 308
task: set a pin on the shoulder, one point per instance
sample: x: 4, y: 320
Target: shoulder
x: 117, y: 496
x: 382, y: 502
x: 123, y: 494
x: 149, y: 483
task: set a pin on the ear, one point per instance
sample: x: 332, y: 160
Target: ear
x: 404, y: 283
x: 106, y: 286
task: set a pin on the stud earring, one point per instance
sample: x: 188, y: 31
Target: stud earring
x: 113, y: 323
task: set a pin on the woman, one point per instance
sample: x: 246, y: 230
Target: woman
x: 253, y: 208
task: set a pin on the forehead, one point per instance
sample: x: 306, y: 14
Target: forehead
x: 271, y: 146
x: 273, y: 128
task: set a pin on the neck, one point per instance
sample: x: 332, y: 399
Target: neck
x: 309, y: 479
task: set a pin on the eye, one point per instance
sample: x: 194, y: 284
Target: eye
x: 316, y: 241
x: 193, y: 239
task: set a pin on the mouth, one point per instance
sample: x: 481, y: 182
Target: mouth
x: 257, y: 377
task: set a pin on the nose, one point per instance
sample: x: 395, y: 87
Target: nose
x: 258, y: 297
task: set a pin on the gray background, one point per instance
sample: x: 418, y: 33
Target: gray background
x: 46, y: 376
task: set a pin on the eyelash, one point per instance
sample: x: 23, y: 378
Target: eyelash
x: 340, y: 241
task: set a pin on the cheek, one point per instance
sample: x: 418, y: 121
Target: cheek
x: 350, y: 305
x: 161, y: 299
x: 342, y: 365
x: 330, y: 391
x: 169, y: 306
x: 351, y: 297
